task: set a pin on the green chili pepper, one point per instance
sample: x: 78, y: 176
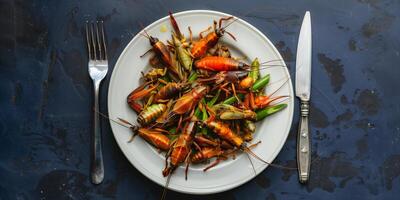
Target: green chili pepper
x: 261, y: 114
x: 233, y: 99
x: 261, y: 83
x: 255, y: 70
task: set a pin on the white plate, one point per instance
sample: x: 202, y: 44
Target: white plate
x: 272, y: 131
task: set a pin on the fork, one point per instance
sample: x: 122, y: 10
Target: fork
x: 98, y: 67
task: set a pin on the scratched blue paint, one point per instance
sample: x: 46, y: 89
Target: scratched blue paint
x: 45, y: 98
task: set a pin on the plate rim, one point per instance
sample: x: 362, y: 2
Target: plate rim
x: 290, y: 107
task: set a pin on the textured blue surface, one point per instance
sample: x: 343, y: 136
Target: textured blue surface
x: 46, y: 95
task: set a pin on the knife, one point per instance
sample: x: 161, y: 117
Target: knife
x: 303, y: 87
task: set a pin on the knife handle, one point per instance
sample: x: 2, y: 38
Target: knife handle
x: 303, y: 145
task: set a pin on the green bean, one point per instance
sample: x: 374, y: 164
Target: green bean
x: 192, y: 77
x: 261, y: 83
x: 204, y: 130
x: 172, y: 136
x: 233, y: 99
x: 261, y: 114
x: 172, y: 130
x: 197, y: 112
x: 214, y: 99
x: 204, y: 114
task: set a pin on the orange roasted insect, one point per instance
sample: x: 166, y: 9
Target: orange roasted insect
x: 200, y: 47
x: 162, y: 51
x: 181, y: 148
x: 216, y: 63
x: 262, y: 101
x: 223, y: 77
x: 156, y: 137
x: 169, y: 91
x: 139, y: 93
x: 186, y: 103
x: 203, y: 141
x: 206, y: 153
x: 224, y: 132
x: 179, y: 153
x: 159, y: 48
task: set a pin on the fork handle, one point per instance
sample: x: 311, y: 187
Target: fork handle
x: 97, y: 169
x: 303, y: 145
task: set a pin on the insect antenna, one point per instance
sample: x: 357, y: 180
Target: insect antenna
x: 269, y: 61
x: 247, y: 150
x: 144, y: 30
x: 123, y: 122
x: 252, y: 165
x: 226, y: 26
x: 115, y: 121
x: 279, y: 87
x: 278, y: 102
x: 144, y: 35
x: 268, y: 67
x: 164, y: 193
x: 230, y: 34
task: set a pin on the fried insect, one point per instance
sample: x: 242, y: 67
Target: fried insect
x: 162, y: 51
x: 183, y: 55
x: 138, y: 94
x: 154, y: 74
x: 229, y: 112
x: 200, y: 47
x: 169, y: 91
x: 180, y: 148
x: 188, y: 101
x: 179, y: 153
x: 150, y: 114
x: 156, y: 137
x: 216, y: 63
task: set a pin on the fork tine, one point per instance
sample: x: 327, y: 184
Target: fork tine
x: 93, y: 40
x: 88, y: 40
x: 104, y: 40
x: 98, y: 41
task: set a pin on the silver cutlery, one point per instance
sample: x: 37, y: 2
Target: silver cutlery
x: 98, y: 67
x: 303, y: 88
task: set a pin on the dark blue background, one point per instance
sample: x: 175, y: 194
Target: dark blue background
x: 46, y: 98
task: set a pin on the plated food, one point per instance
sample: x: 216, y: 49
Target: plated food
x: 199, y: 100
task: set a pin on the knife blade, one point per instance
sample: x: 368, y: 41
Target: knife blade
x: 303, y: 88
